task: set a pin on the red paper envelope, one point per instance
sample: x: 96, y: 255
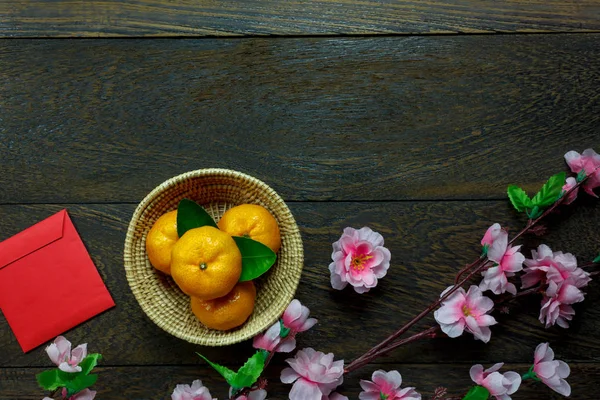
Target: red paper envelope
x: 48, y: 282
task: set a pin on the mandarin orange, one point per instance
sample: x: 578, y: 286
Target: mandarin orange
x: 253, y: 221
x: 160, y: 241
x: 229, y: 311
x: 206, y: 263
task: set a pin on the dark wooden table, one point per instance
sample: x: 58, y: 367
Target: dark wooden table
x: 410, y: 117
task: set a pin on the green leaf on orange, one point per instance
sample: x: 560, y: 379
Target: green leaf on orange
x: 191, y: 215
x: 256, y: 258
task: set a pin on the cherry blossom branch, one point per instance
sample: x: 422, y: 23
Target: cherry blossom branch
x: 474, y: 268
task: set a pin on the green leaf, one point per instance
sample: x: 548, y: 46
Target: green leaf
x: 88, y: 363
x: 250, y: 371
x: 551, y: 191
x: 597, y: 259
x: 191, y: 215
x: 49, y: 379
x: 581, y: 176
x: 518, y: 198
x: 534, y: 213
x: 80, y: 382
x: 225, y: 372
x: 256, y: 258
x: 477, y: 393
x: 283, y: 330
x: 530, y: 375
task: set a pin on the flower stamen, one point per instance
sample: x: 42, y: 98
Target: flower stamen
x: 358, y: 262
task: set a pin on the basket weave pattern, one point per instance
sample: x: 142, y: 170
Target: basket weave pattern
x: 216, y: 190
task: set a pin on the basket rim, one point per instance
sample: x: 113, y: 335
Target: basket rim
x: 130, y: 237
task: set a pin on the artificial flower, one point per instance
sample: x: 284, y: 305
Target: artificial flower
x: 546, y: 265
x: 386, y: 385
x: 550, y: 371
x: 466, y: 311
x: 195, y: 392
x: 60, y: 354
x: 490, y: 235
x: 359, y: 259
x: 313, y: 373
x: 335, y: 396
x: 570, y: 184
x: 259, y: 394
x: 507, y: 260
x: 271, y: 340
x: 85, y: 394
x: 499, y: 385
x: 589, y: 162
x: 295, y: 317
x: 556, y: 304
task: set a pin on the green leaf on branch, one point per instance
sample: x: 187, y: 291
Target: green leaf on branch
x: 191, y: 215
x: 81, y: 381
x: 581, y: 176
x: 88, y: 363
x: 597, y: 259
x: 50, y: 379
x: 519, y: 198
x: 550, y: 192
x: 249, y: 373
x: 256, y: 258
x: 477, y: 393
x: 283, y: 330
x: 225, y: 372
x: 534, y: 213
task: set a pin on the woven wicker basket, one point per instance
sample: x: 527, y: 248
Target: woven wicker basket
x: 217, y: 190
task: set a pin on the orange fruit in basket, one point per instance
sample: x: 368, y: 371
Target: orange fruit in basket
x: 160, y: 241
x: 253, y: 221
x: 206, y: 263
x: 229, y: 311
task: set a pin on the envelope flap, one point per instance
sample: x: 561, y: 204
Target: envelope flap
x: 31, y: 239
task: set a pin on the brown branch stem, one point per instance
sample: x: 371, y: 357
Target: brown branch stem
x: 475, y: 267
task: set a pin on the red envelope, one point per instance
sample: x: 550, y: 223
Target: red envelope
x: 48, y: 282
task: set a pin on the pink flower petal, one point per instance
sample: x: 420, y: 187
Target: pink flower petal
x: 79, y: 353
x: 498, y: 248
x: 476, y: 373
x: 305, y: 390
x: 512, y: 381
x: 541, y: 353
x: 85, y: 394
x: 288, y: 375
x: 287, y: 345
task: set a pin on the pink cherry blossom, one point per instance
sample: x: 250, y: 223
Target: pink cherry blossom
x: 466, y: 311
x: 557, y: 266
x: 334, y: 396
x: 195, y: 392
x: 259, y: 394
x: 359, y: 259
x: 386, y: 385
x: 507, y: 260
x: 570, y: 184
x: 296, y: 318
x: 589, y: 162
x: 60, y: 354
x: 313, y: 373
x: 552, y: 372
x: 499, y: 385
x: 272, y: 341
x: 85, y: 394
x: 556, y: 304
x: 491, y: 234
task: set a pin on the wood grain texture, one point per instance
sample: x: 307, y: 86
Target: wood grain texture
x: 40, y: 18
x: 134, y: 383
x: 429, y: 241
x: 317, y: 119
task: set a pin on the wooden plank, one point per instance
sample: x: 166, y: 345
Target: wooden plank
x: 317, y: 119
x: 134, y: 382
x: 41, y: 18
x: 429, y: 241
